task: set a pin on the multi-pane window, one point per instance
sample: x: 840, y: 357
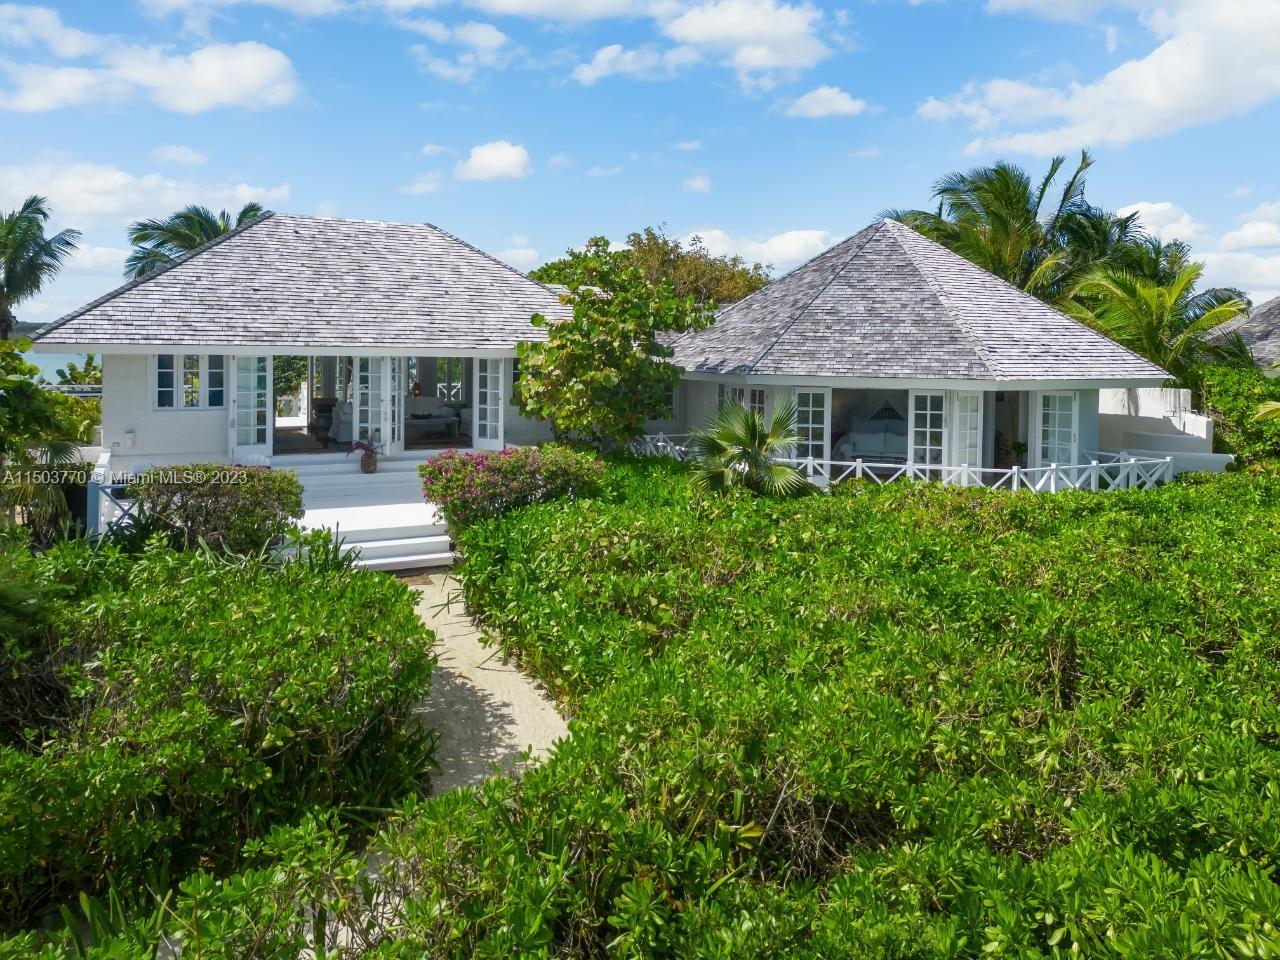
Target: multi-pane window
x: 190, y: 381
x: 749, y: 398
x: 1057, y: 428
x: 811, y: 424
x: 927, y: 428
x: 253, y: 401
x: 488, y: 398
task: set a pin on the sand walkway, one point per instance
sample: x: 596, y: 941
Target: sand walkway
x: 487, y: 711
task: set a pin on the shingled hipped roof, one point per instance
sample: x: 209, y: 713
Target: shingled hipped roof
x: 888, y: 303
x: 1260, y: 331
x: 309, y: 282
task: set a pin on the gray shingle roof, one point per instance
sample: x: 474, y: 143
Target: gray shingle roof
x: 1260, y: 331
x: 888, y: 303
x: 296, y: 281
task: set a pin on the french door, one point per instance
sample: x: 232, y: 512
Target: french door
x: 927, y: 433
x: 1057, y: 428
x: 369, y: 394
x: 251, y: 416
x: 813, y: 423
x: 488, y: 404
x: 966, y: 412
x: 393, y: 409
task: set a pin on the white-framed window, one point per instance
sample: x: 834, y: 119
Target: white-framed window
x: 928, y: 433
x: 189, y: 381
x: 749, y: 398
x: 1057, y: 428
x: 968, y: 427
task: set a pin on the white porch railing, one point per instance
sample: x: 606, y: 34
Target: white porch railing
x: 1106, y: 470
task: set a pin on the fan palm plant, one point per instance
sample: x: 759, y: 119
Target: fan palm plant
x: 160, y: 241
x: 1271, y: 409
x: 739, y: 448
x: 1169, y: 324
x: 28, y: 258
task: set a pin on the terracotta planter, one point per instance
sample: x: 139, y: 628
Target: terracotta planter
x: 368, y: 463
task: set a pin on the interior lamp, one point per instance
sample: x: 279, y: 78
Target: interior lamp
x: 416, y: 389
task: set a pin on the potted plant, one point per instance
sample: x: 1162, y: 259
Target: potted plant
x: 368, y: 455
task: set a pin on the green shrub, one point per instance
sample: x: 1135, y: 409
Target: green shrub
x: 469, y: 486
x: 241, y: 509
x: 909, y: 721
x: 202, y: 699
x: 1232, y: 397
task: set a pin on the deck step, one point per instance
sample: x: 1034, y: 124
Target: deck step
x: 400, y: 546
x: 408, y: 562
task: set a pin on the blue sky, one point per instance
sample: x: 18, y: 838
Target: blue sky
x: 770, y: 127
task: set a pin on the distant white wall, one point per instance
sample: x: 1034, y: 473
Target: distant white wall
x: 160, y: 437
x: 1153, y: 418
x: 516, y: 427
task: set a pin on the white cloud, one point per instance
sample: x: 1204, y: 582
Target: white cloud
x: 783, y: 251
x: 196, y: 14
x: 84, y: 193
x: 499, y: 159
x: 757, y: 38
x: 1256, y: 274
x: 1184, y: 81
x: 1253, y: 235
x: 647, y: 63
x: 247, y: 74
x: 1240, y: 192
x: 603, y: 171
x: 521, y: 257
x: 177, y: 153
x: 560, y: 161
x: 1165, y: 220
x: 431, y: 149
x: 568, y: 10
x: 91, y: 259
x: 26, y: 26
x: 699, y: 183
x: 424, y: 183
x: 687, y: 145
x: 483, y: 45
x: 1266, y: 211
x: 826, y: 101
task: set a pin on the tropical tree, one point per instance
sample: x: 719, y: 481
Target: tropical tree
x: 692, y: 270
x: 1169, y: 324
x: 1270, y: 410
x: 738, y: 448
x: 160, y: 241
x: 603, y: 371
x: 74, y: 373
x: 1036, y: 237
x: 28, y: 258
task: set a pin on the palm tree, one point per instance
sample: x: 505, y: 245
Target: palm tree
x: 1038, y: 239
x: 158, y: 242
x: 1270, y: 410
x: 737, y: 448
x: 1168, y: 323
x: 28, y: 259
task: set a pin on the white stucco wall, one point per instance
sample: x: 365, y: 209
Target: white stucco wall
x: 161, y: 437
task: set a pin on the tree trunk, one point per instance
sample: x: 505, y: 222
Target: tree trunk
x: 6, y: 321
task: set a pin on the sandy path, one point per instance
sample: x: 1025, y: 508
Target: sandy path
x: 487, y: 711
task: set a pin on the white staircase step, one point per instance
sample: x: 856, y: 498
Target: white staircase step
x: 400, y: 546
x: 410, y: 562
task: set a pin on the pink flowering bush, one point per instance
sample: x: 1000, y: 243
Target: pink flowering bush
x: 469, y: 486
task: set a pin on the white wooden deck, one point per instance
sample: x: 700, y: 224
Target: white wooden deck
x: 381, y: 516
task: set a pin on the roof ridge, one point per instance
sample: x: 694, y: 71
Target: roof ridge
x: 159, y: 271
x: 487, y: 256
x: 938, y: 291
x: 795, y: 318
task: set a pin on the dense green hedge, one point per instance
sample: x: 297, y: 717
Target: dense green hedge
x: 231, y: 507
x: 899, y: 722
x: 167, y: 706
x: 1232, y: 397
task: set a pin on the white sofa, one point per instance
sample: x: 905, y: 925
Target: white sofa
x: 340, y: 428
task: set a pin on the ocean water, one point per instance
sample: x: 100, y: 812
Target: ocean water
x: 50, y: 362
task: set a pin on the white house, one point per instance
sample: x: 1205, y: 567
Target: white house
x: 902, y: 358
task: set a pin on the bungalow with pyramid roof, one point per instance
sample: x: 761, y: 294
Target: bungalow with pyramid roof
x: 899, y: 353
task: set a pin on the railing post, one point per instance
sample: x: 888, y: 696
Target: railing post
x: 1053, y: 478
x: 1132, y: 472
x: 1093, y: 475
x: 857, y: 465
x: 1017, y: 476
x: 1168, y: 469
x: 94, y: 504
